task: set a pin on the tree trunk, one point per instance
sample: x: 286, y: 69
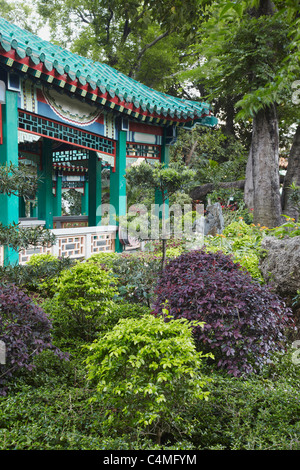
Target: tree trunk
x: 262, y: 187
x: 199, y: 192
x: 164, y: 241
x: 292, y: 176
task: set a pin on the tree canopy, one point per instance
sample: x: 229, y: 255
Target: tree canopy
x: 242, y: 56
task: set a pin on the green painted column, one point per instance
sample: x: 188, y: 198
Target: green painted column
x: 95, y: 190
x: 57, y: 198
x: 33, y: 209
x: 118, y: 185
x: 158, y: 195
x: 85, y: 199
x: 44, y: 192
x: 9, y: 205
x: 22, y: 207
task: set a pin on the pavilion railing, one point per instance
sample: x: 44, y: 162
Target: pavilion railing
x: 76, y: 243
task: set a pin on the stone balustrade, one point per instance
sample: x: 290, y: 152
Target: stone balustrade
x: 76, y: 242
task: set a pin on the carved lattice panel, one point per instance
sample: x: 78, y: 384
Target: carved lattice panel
x: 73, y: 246
x: 25, y: 255
x: 102, y: 242
x: 136, y: 150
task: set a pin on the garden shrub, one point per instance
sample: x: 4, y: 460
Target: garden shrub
x: 290, y: 228
x: 243, y: 242
x: 83, y: 295
x: 247, y: 414
x: 46, y: 269
x: 38, y: 276
x: 24, y: 328
x: 175, y: 246
x: 135, y: 275
x: 244, y: 321
x: 146, y: 372
x: 122, y: 310
x: 105, y: 260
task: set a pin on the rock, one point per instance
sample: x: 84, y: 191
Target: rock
x: 214, y: 221
x: 280, y: 265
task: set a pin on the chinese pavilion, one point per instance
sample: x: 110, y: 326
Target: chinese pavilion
x: 69, y: 117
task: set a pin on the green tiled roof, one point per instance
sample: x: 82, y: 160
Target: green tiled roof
x: 27, y: 53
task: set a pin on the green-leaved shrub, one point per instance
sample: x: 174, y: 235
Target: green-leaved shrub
x: 84, y: 294
x: 147, y: 371
x: 243, y: 242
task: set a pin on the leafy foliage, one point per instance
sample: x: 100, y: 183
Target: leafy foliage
x: 168, y: 180
x: 133, y: 37
x: 253, y: 414
x: 38, y: 276
x: 24, y: 328
x: 134, y: 274
x: 288, y: 229
x: 243, y: 243
x: 83, y: 295
x: 244, y: 321
x: 250, y: 50
x: 295, y: 195
x: 146, y: 372
x: 17, y: 180
x: 20, y: 238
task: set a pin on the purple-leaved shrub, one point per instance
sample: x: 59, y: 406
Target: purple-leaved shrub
x: 25, y: 330
x: 245, y: 322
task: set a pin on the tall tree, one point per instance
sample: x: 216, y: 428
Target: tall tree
x: 292, y: 177
x: 122, y: 33
x: 21, y: 13
x: 248, y: 52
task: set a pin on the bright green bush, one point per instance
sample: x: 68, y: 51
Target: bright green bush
x: 243, y: 242
x: 83, y: 295
x: 37, y: 260
x: 122, y: 310
x: 51, y: 410
x: 147, y: 371
x: 39, y: 275
x: 106, y: 260
x: 290, y: 228
x: 45, y: 270
x: 253, y: 414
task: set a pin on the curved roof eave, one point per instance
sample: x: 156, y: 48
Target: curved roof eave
x: 26, y: 53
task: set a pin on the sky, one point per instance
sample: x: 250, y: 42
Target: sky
x: 44, y: 32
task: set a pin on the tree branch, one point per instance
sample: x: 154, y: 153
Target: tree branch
x: 82, y: 17
x: 199, y: 192
x: 146, y: 47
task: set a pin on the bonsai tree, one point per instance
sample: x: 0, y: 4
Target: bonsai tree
x: 167, y: 180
